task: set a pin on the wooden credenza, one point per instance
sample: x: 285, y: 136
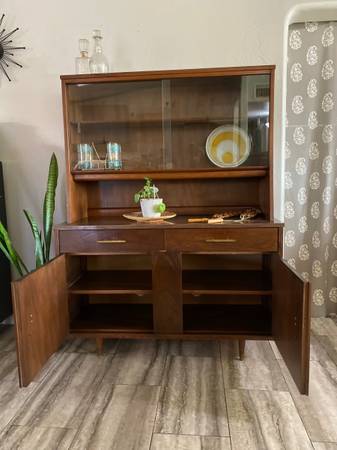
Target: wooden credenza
x: 115, y: 278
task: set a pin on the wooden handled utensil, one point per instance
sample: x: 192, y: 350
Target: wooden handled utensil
x: 198, y: 220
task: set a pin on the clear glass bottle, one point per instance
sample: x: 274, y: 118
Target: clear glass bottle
x: 82, y: 62
x: 98, y: 61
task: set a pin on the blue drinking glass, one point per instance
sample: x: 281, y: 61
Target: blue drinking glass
x: 113, y: 158
x: 84, y: 156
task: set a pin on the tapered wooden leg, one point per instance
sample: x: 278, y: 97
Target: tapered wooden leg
x: 99, y: 345
x: 242, y: 344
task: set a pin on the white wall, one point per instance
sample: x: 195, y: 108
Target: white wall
x: 139, y: 35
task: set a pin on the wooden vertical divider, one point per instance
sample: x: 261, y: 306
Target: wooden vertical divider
x: 167, y: 292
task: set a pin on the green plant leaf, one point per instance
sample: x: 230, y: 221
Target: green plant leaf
x: 39, y: 256
x: 49, y: 205
x: 5, y: 252
x: 148, y: 191
x: 6, y: 247
x: 9, y: 251
x: 22, y: 264
x: 11, y: 260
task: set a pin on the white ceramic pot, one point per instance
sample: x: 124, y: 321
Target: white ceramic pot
x: 147, y: 205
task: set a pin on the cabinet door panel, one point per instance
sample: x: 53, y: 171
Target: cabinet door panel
x: 41, y: 316
x: 291, y: 321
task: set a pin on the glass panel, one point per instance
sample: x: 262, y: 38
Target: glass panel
x: 165, y: 124
x: 201, y: 105
x: 128, y: 113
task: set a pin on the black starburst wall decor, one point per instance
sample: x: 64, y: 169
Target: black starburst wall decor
x: 7, y: 49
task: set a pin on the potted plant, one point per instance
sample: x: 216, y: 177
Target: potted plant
x: 151, y: 205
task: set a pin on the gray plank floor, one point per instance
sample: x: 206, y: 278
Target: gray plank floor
x: 142, y: 395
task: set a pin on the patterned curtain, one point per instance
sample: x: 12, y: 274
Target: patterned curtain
x: 311, y: 160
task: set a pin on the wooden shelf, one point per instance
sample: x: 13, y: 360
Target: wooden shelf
x: 131, y: 121
x: 243, y: 320
x: 111, y: 175
x: 195, y: 282
x: 95, y: 319
x: 118, y: 122
x: 229, y: 282
x: 219, y: 299
x: 113, y: 282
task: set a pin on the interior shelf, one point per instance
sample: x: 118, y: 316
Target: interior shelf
x: 221, y: 299
x: 244, y: 320
x: 229, y: 282
x: 106, y: 175
x: 110, y: 319
x: 132, y: 121
x: 113, y: 282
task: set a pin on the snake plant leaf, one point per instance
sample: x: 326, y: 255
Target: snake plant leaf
x: 49, y: 204
x: 9, y: 251
x: 39, y: 256
x: 10, y: 259
x: 23, y: 265
x: 43, y: 248
x: 7, y: 244
x: 5, y: 252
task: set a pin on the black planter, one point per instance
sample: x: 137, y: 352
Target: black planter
x: 5, y: 274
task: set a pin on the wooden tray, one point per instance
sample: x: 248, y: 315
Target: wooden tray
x: 139, y: 218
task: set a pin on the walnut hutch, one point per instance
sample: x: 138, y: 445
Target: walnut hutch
x: 115, y: 278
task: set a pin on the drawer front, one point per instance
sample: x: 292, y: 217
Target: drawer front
x: 223, y: 240
x: 110, y: 241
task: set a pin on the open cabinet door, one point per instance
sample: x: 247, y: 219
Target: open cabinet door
x: 291, y: 321
x: 41, y: 316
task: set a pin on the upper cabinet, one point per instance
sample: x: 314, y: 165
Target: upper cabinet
x: 163, y: 123
x: 212, y: 127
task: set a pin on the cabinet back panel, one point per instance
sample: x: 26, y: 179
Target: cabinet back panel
x: 189, y: 262
x: 198, y: 194
x: 115, y: 101
x: 119, y: 262
x: 142, y: 146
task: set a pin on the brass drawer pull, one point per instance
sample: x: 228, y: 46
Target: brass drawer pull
x: 112, y: 241
x: 219, y: 241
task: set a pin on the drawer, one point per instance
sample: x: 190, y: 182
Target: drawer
x: 223, y: 240
x: 110, y: 241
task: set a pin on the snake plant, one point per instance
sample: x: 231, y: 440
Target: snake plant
x: 42, y: 240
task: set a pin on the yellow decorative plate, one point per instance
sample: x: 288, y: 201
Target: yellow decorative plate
x: 228, y: 146
x: 139, y: 217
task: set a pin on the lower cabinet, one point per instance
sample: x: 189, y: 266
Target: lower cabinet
x: 164, y: 300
